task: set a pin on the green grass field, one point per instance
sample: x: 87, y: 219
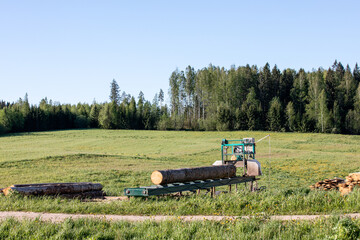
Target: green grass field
x: 126, y: 158
x: 256, y: 228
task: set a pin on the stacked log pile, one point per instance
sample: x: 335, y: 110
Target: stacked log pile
x: 344, y: 186
x: 328, y: 184
x: 351, y: 181
x: 70, y: 190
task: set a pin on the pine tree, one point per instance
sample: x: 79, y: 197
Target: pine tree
x: 353, y: 116
x: 330, y: 88
x: 275, y: 79
x: 356, y: 74
x: 285, y: 85
x: 132, y: 114
x: 94, y: 115
x: 252, y: 108
x: 265, y: 87
x: 347, y: 89
x: 140, y: 110
x: 161, y: 97
x: 114, y: 92
x: 275, y: 115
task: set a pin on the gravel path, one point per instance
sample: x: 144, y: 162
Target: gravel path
x: 59, y: 217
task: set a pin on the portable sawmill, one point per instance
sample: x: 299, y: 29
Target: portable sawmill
x: 235, y: 155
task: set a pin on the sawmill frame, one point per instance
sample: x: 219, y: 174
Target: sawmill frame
x: 209, y: 184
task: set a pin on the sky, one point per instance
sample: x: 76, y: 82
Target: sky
x: 70, y: 51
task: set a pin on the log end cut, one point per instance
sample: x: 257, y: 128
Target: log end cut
x: 157, y: 177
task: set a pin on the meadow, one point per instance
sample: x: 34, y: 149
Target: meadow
x: 126, y: 158
x: 256, y: 228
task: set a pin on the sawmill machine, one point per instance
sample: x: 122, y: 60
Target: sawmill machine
x: 235, y: 154
x: 241, y: 154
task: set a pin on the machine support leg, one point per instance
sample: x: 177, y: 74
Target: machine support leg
x: 212, y: 191
x: 236, y: 188
x: 230, y: 188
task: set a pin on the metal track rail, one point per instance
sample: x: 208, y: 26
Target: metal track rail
x: 182, y: 187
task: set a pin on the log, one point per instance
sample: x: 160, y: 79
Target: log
x: 90, y: 194
x: 192, y: 174
x: 52, y: 188
x: 355, y: 176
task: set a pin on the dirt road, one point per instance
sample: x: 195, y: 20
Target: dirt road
x: 59, y: 217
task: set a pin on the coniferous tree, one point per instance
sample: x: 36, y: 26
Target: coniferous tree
x: 132, y: 114
x: 252, y: 108
x: 285, y: 85
x: 356, y: 74
x: 275, y: 115
x: 94, y: 115
x: 265, y: 88
x: 348, y: 88
x: 330, y: 88
x: 275, y: 79
x: 224, y: 118
x: 115, y: 92
x: 161, y: 97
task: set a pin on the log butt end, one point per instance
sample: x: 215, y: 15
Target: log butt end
x: 157, y: 177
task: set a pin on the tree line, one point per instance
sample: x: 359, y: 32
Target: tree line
x: 212, y: 98
x: 122, y: 112
x: 252, y: 98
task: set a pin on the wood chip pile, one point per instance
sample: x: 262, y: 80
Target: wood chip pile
x: 69, y: 190
x: 344, y: 186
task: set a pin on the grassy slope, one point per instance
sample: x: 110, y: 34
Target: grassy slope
x: 126, y: 158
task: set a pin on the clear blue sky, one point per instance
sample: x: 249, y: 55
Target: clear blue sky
x: 70, y: 51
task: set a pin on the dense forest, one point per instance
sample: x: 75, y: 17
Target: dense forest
x: 212, y: 98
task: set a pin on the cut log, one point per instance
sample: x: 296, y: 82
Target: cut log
x: 192, y: 174
x: 355, y: 176
x: 53, y: 188
x: 90, y: 194
x: 328, y: 184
